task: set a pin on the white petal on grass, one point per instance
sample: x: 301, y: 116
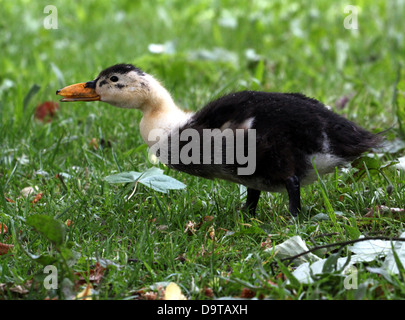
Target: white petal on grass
x: 303, y: 272
x: 27, y: 191
x: 292, y: 247
x: 364, y: 251
x: 401, y: 164
x: 390, y: 263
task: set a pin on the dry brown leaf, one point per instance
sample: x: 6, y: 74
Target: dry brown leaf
x: 150, y: 295
x: 5, y: 248
x: 94, y: 275
x: 208, y: 292
x: 247, y: 293
x: 191, y: 228
x: 181, y: 257
x: 211, y: 233
x: 383, y: 210
x: 94, y: 143
x: 266, y: 244
x: 46, y: 111
x: 19, y: 289
x: 208, y: 218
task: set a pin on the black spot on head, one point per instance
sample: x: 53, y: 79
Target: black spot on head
x: 102, y: 83
x: 120, y: 85
x: 121, y: 68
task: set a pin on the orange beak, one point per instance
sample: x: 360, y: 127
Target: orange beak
x: 78, y: 92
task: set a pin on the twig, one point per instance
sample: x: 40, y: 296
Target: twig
x: 341, y: 244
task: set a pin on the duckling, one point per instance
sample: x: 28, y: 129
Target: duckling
x: 290, y: 137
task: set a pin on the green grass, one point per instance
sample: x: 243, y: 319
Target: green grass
x: 143, y: 241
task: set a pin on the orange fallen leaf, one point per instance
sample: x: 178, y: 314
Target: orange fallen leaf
x: 212, y: 233
x: 86, y: 293
x: 9, y: 200
x: 37, y: 197
x: 46, y: 111
x: 3, y: 228
x: 93, y: 143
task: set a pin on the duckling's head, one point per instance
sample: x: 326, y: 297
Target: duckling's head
x: 122, y: 85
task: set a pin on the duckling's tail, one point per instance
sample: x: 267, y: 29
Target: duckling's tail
x: 349, y: 141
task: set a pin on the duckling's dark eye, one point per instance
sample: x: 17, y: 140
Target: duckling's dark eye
x: 114, y: 78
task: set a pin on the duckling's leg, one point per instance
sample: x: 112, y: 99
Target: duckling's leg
x: 293, y: 188
x: 252, y: 200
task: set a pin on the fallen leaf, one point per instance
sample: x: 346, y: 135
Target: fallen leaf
x: 383, y: 210
x: 68, y: 222
x: 191, y: 228
x: 86, y: 293
x: 266, y: 244
x: 9, y: 200
x: 150, y: 295
x: 5, y: 248
x: 28, y: 191
x: 173, y: 292
x: 208, y: 292
x: 291, y: 247
x: 46, y: 111
x: 208, y: 218
x: 93, y: 143
x: 181, y: 257
x: 93, y: 275
x: 162, y: 227
x: 3, y: 228
x: 19, y: 289
x: 247, y: 293
x: 37, y: 197
x: 211, y: 233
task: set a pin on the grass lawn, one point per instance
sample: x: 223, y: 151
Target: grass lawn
x: 89, y: 230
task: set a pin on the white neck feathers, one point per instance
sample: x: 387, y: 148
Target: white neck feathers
x: 160, y: 111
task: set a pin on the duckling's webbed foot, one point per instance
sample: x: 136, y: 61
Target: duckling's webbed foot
x: 251, y: 201
x: 293, y: 188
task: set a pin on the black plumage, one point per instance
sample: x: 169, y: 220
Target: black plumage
x: 289, y: 128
